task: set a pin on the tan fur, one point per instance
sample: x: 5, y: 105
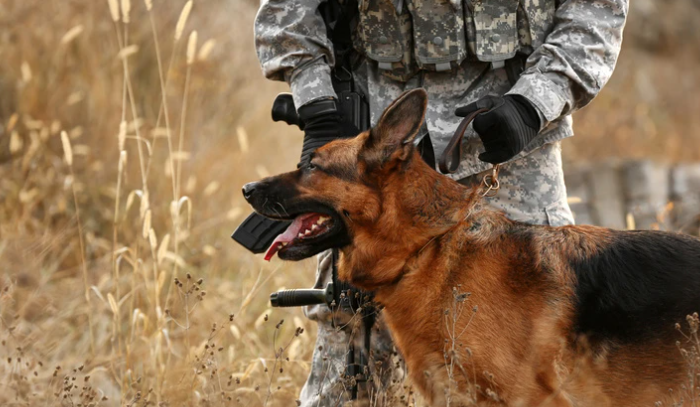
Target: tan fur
x: 418, y: 238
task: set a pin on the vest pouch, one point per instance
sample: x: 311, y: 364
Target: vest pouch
x: 438, y: 32
x: 496, y: 29
x: 385, y: 37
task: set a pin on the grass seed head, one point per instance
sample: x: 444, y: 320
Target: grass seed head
x: 146, y: 224
x: 191, y: 47
x: 126, y: 10
x: 180, y: 27
x: 67, y: 149
x: 122, y: 160
x: 206, y: 49
x: 72, y: 34
x: 121, y: 137
x: 114, y: 10
x: 16, y: 142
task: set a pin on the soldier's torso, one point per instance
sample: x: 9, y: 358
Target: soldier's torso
x: 404, y: 37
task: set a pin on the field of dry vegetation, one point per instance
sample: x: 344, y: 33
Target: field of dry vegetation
x: 126, y: 131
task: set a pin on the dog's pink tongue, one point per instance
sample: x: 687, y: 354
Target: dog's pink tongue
x: 288, y: 235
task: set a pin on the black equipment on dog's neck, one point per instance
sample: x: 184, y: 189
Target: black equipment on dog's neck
x: 349, y: 300
x: 303, y: 297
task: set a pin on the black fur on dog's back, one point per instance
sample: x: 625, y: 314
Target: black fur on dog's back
x: 638, y: 286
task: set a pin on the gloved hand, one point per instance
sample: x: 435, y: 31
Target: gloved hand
x: 323, y: 123
x: 506, y: 129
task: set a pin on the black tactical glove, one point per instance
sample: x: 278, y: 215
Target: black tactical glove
x: 323, y: 123
x: 506, y: 129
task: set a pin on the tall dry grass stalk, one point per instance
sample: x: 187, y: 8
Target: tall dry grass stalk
x: 68, y: 155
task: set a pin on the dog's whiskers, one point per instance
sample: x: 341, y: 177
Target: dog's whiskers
x: 283, y: 209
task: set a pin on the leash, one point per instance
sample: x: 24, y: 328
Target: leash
x: 449, y: 161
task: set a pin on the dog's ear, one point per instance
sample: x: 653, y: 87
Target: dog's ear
x: 392, y: 137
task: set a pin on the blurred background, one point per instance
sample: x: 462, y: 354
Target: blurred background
x: 127, y: 129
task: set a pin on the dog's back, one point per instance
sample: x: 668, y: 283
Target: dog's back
x: 619, y: 298
x: 631, y: 295
x: 575, y: 315
x: 637, y: 285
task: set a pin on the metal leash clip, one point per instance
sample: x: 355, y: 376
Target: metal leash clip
x: 491, y: 183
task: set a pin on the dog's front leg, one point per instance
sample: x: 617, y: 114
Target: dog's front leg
x: 547, y: 391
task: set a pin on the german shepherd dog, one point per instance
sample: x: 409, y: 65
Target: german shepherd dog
x: 567, y: 316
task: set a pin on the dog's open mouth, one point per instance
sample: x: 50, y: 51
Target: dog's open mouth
x: 305, y: 229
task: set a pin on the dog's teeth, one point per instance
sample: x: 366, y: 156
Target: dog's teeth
x: 322, y: 219
x: 319, y: 221
x: 308, y: 232
x: 300, y: 235
x: 314, y: 227
x: 284, y: 244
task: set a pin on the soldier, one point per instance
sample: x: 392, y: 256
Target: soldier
x: 532, y: 62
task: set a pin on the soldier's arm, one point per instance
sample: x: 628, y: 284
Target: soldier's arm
x: 577, y: 57
x: 292, y: 45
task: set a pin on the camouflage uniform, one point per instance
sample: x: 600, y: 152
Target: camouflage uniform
x: 456, y: 52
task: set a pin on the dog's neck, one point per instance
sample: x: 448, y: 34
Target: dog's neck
x: 418, y: 206
x: 433, y: 202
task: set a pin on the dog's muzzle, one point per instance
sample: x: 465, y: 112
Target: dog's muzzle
x: 249, y: 190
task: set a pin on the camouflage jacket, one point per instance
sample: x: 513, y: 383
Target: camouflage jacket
x: 455, y: 50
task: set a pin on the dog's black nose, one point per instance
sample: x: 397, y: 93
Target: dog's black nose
x: 248, y: 189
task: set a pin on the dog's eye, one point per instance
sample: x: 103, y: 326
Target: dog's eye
x: 314, y: 167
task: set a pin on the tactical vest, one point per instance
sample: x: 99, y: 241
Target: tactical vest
x: 406, y: 36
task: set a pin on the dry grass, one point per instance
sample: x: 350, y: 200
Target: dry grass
x: 120, y: 284
x: 123, y: 147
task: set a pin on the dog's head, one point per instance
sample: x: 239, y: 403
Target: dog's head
x: 352, y: 192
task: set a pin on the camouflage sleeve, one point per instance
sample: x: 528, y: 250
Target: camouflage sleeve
x: 291, y: 42
x: 577, y: 57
